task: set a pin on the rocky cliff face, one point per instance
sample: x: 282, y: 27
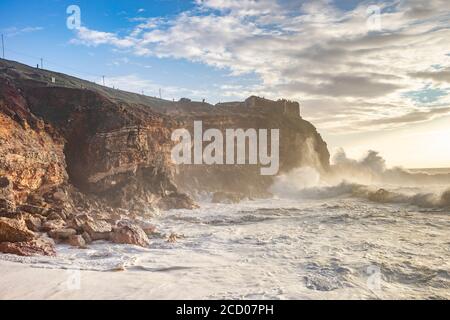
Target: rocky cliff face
x: 68, y: 146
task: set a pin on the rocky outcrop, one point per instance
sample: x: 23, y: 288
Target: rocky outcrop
x: 16, y: 238
x: 97, y: 230
x: 14, y: 230
x: 227, y: 197
x: 76, y: 157
x: 39, y: 246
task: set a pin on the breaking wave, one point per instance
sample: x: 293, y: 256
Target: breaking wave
x: 369, y: 179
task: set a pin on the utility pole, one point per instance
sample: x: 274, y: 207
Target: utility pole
x: 160, y: 94
x: 3, y: 47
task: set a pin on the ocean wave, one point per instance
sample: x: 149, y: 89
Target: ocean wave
x: 307, y: 183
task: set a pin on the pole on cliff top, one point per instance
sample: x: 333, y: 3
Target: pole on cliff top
x: 42, y: 63
x: 3, y: 47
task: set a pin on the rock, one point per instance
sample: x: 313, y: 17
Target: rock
x: 55, y: 216
x: 78, y: 222
x: 33, y: 209
x: 148, y: 228
x: 87, y: 238
x: 4, y: 183
x: 77, y: 241
x: 60, y: 196
x: 33, y: 223
x: 7, y: 206
x: 62, y: 234
x: 7, y: 203
x: 14, y: 230
x: 128, y: 233
x: 173, y: 237
x: 227, y: 197
x: 98, y: 230
x: 39, y: 246
x: 177, y: 201
x: 53, y: 225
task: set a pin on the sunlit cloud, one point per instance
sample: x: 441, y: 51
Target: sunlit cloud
x: 347, y: 75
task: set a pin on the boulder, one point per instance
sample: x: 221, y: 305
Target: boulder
x: 148, y: 228
x: 33, y: 223
x: 87, y: 238
x: 78, y: 221
x: 55, y: 216
x: 14, y: 230
x: 77, y: 241
x: 7, y: 206
x: 227, y: 197
x: 177, y: 201
x: 60, y: 196
x: 128, y: 233
x: 40, y: 246
x: 62, y: 234
x: 7, y: 203
x: 4, y: 183
x: 98, y: 230
x: 33, y: 209
x: 173, y: 237
x: 53, y: 225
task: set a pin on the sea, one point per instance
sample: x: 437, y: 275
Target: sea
x: 316, y: 238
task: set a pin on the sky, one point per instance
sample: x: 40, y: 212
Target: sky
x: 370, y: 75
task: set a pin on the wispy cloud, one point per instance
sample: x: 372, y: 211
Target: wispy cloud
x: 346, y: 73
x: 14, y: 31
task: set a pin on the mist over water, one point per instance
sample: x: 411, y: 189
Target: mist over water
x: 368, y: 178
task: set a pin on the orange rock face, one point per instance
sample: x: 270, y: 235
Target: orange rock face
x: 29, y: 248
x: 14, y: 230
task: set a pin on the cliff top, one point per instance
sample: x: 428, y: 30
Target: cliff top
x: 24, y: 75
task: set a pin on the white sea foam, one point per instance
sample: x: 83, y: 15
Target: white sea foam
x: 319, y: 237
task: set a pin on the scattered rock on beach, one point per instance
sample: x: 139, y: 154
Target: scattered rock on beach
x: 148, y: 228
x: 53, y: 225
x: 98, y: 230
x: 227, y: 197
x: 40, y: 246
x: 86, y: 237
x: 62, y: 234
x: 128, y: 233
x: 14, y: 230
x: 77, y: 241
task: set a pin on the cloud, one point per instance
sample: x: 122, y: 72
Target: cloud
x: 438, y: 76
x: 94, y: 38
x: 309, y: 51
x: 14, y: 31
x: 417, y: 116
x: 135, y: 83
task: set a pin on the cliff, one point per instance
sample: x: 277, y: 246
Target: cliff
x: 69, y: 145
